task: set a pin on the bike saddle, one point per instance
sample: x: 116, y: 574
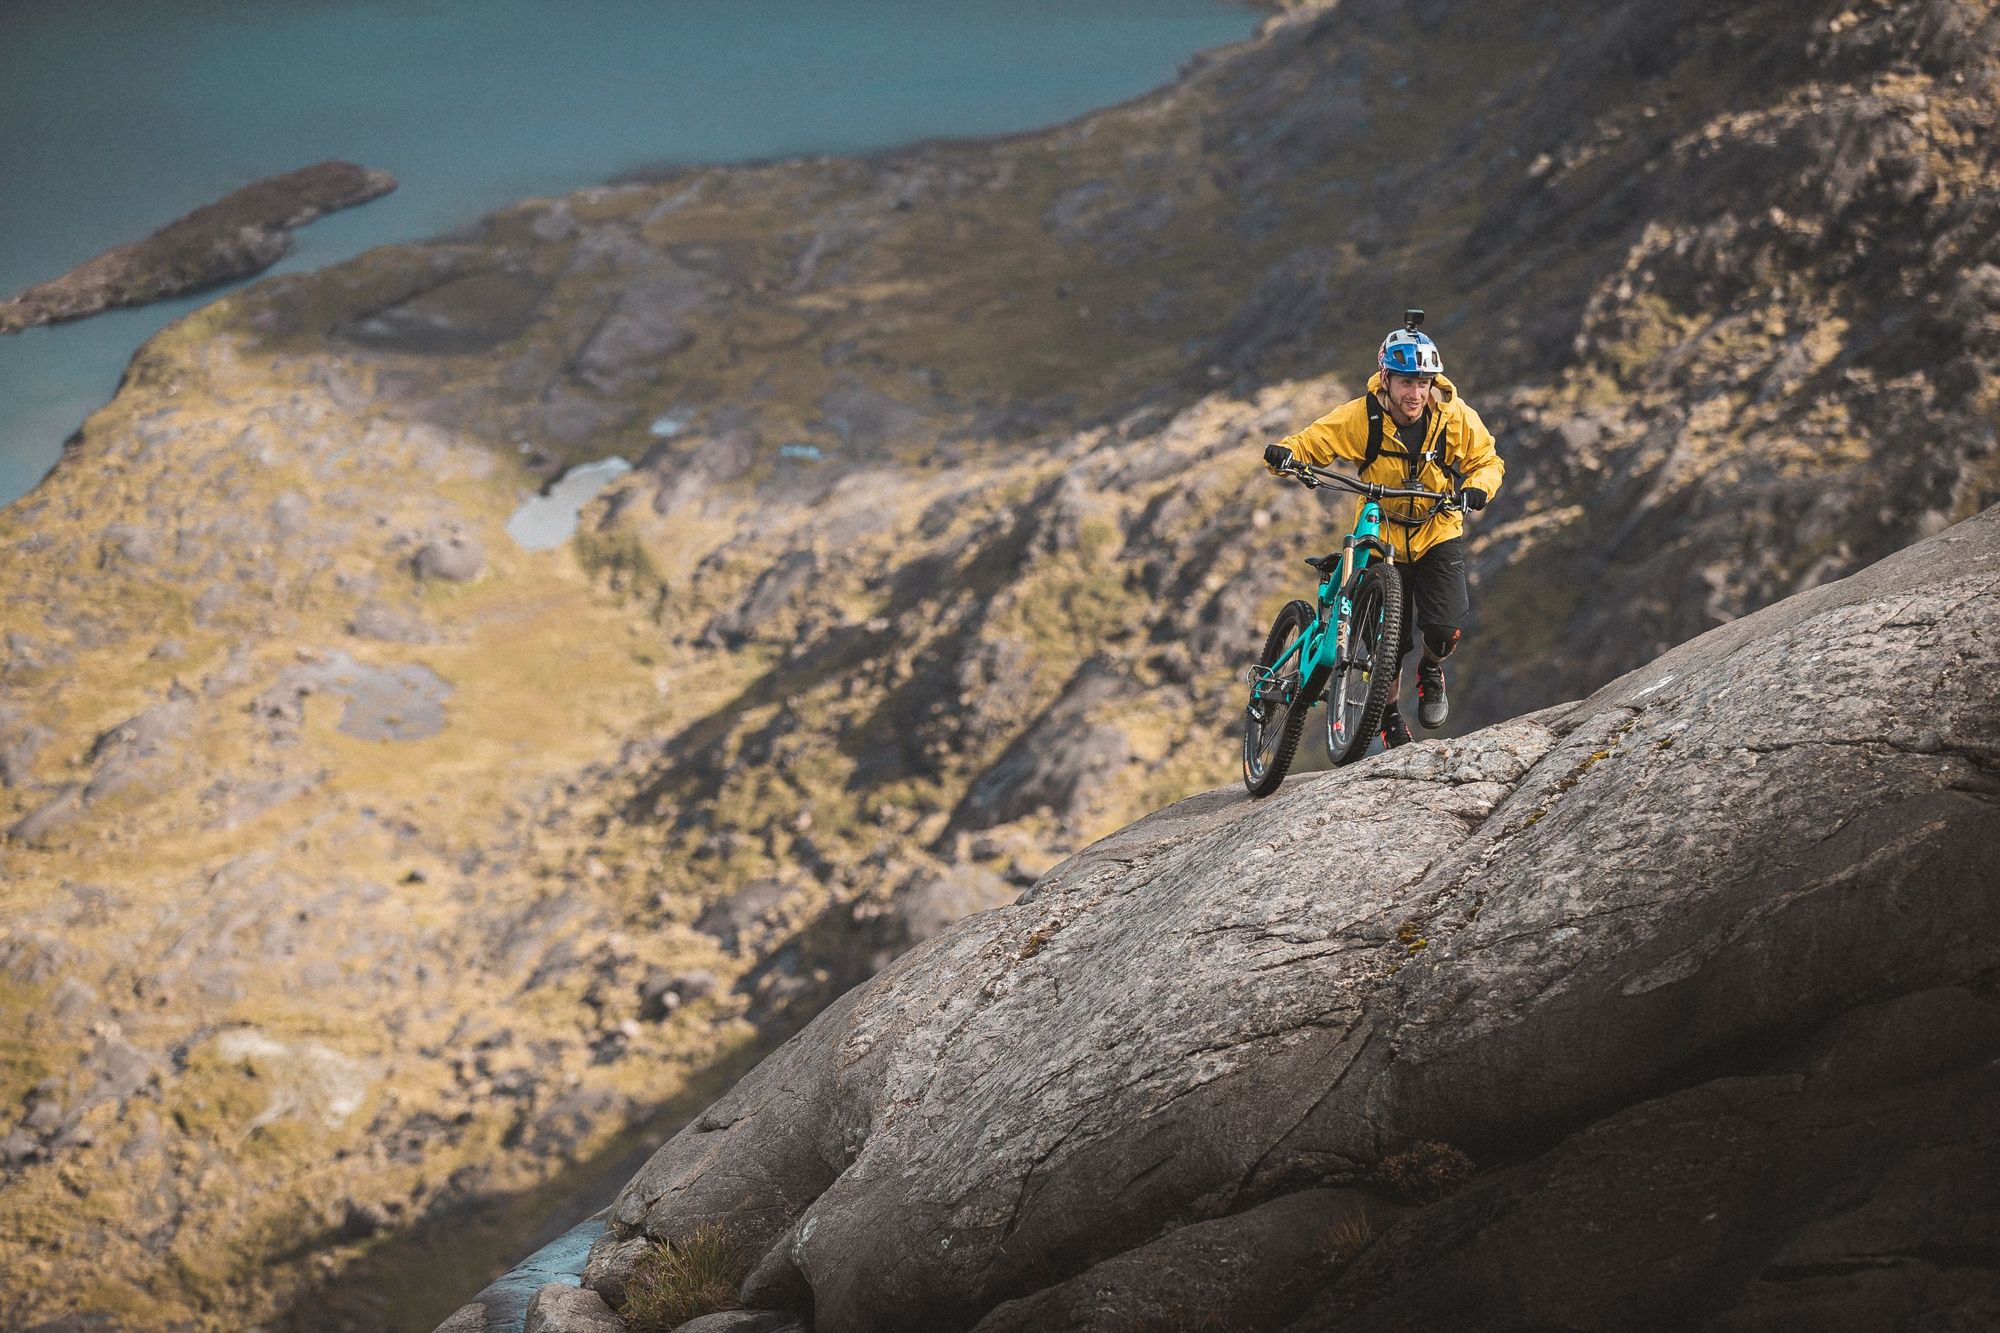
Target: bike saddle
x: 1325, y: 564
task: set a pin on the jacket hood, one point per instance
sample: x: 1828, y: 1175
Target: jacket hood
x: 1444, y: 388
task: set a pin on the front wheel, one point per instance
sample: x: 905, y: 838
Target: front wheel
x: 1277, y: 711
x: 1359, y: 692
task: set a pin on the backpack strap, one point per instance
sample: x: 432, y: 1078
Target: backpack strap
x: 1432, y: 452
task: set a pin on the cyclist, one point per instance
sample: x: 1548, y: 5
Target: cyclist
x: 1433, y: 431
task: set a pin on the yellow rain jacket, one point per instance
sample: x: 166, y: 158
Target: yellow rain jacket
x: 1455, y: 435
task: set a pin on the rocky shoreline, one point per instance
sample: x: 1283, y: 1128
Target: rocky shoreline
x: 241, y: 234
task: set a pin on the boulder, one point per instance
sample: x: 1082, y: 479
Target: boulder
x: 1678, y: 998
x: 743, y: 1321
x: 453, y: 559
x: 20, y: 1146
x: 563, y: 1308
x: 610, y: 1267
x: 687, y: 477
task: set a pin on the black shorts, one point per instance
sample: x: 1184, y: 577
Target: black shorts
x: 1434, y: 590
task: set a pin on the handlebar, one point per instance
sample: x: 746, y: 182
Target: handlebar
x: 1312, y: 478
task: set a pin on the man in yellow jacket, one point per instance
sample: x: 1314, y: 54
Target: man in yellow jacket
x: 1412, y: 429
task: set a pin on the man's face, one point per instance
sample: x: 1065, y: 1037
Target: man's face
x: 1409, y: 395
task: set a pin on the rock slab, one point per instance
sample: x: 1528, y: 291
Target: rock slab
x: 1695, y: 979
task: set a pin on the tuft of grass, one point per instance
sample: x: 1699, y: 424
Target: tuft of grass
x: 676, y: 1282
x: 1426, y: 1173
x: 1350, y: 1236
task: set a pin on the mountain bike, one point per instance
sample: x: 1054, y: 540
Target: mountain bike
x: 1346, y: 648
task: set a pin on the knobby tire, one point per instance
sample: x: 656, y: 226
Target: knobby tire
x: 1358, y: 696
x: 1268, y: 746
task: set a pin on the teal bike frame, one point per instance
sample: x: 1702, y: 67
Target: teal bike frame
x: 1322, y: 649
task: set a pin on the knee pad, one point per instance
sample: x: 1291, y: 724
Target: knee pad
x: 1439, y: 643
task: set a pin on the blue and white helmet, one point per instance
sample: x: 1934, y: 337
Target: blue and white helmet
x: 1408, y: 352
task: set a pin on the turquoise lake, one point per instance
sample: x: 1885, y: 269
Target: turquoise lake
x: 117, y: 116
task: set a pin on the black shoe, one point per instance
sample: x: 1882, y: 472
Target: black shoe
x: 1432, y: 706
x: 1395, y: 731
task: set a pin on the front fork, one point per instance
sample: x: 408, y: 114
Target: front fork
x: 1339, y: 603
x: 1335, y: 603
x: 1346, y: 603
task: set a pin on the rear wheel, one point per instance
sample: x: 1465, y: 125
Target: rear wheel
x: 1277, y: 711
x: 1359, y: 693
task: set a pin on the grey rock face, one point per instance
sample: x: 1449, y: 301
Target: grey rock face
x: 743, y: 912
x: 389, y: 703
x: 139, y: 751
x: 1839, y: 1190
x: 1233, y: 1272
x: 49, y: 817
x: 23, y: 653
x: 124, y: 754
x: 774, y: 590
x: 1055, y: 762
x: 646, y: 327
x: 1697, y: 972
x: 929, y: 904
x: 390, y: 625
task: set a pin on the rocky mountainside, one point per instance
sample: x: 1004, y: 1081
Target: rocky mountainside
x: 373, y: 887
x: 1675, y: 1007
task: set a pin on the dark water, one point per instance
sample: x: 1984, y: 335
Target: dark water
x: 117, y: 116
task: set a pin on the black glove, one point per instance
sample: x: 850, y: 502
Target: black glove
x: 1474, y: 497
x: 1277, y: 458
